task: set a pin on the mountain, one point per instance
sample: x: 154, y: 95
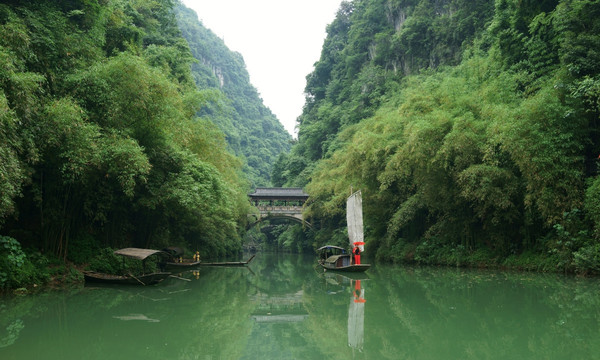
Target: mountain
x: 252, y: 131
x: 471, y: 128
x: 100, y: 142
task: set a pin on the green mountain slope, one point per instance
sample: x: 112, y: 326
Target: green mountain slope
x: 470, y: 126
x: 100, y: 145
x: 252, y: 130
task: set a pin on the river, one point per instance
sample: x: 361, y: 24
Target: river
x: 282, y: 307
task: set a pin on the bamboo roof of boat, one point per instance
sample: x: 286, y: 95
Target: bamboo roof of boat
x: 137, y: 253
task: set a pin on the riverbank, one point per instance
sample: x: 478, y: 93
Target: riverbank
x: 38, y: 272
x: 583, y: 262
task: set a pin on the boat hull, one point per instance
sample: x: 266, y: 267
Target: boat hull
x: 182, y: 265
x: 342, y: 263
x: 348, y: 268
x: 147, y: 279
x: 228, y: 263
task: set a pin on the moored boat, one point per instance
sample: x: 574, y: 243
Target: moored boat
x: 336, y: 258
x: 142, y: 279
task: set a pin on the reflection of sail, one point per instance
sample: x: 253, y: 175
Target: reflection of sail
x: 354, y: 219
x: 356, y: 318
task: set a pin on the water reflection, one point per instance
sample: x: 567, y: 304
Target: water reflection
x: 173, y: 320
x: 350, y: 287
x: 356, y: 317
x: 280, y: 314
x: 446, y: 313
x: 285, y: 308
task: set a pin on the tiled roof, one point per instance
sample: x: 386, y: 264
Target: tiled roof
x: 264, y: 192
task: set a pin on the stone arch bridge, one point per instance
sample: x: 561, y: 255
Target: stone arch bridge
x: 274, y: 202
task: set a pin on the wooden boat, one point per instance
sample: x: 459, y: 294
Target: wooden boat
x: 228, y: 263
x: 186, y: 264
x: 176, y: 262
x: 337, y: 258
x: 144, y: 279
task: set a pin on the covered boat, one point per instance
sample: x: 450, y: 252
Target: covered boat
x: 337, y: 258
x: 143, y: 279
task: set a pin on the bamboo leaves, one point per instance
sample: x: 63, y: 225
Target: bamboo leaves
x: 107, y: 151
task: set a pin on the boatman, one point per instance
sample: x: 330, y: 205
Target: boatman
x: 356, y: 252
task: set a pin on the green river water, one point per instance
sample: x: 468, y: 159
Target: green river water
x: 283, y: 307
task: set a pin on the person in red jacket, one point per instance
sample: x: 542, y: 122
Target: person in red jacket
x: 356, y: 252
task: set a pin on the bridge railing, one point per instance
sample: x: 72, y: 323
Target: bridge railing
x: 280, y: 209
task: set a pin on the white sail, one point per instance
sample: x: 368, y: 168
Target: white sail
x: 354, y: 219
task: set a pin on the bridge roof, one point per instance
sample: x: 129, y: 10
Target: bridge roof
x: 279, y: 194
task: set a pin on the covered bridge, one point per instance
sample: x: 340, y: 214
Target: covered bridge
x: 279, y: 202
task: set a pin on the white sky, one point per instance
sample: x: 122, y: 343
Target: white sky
x: 280, y: 41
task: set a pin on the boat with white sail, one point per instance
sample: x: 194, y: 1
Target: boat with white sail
x: 337, y: 258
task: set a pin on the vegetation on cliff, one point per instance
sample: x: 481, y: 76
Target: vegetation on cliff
x: 100, y: 142
x: 470, y: 126
x: 252, y: 131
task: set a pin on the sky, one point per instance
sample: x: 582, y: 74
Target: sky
x: 280, y: 41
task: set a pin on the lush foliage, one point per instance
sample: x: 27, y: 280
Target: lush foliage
x: 16, y: 268
x: 470, y: 126
x: 100, y: 144
x: 276, y: 235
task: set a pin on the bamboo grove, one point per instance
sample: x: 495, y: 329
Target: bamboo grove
x: 100, y: 142
x: 470, y: 126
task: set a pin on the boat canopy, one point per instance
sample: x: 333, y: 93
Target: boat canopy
x: 330, y: 247
x: 137, y: 253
